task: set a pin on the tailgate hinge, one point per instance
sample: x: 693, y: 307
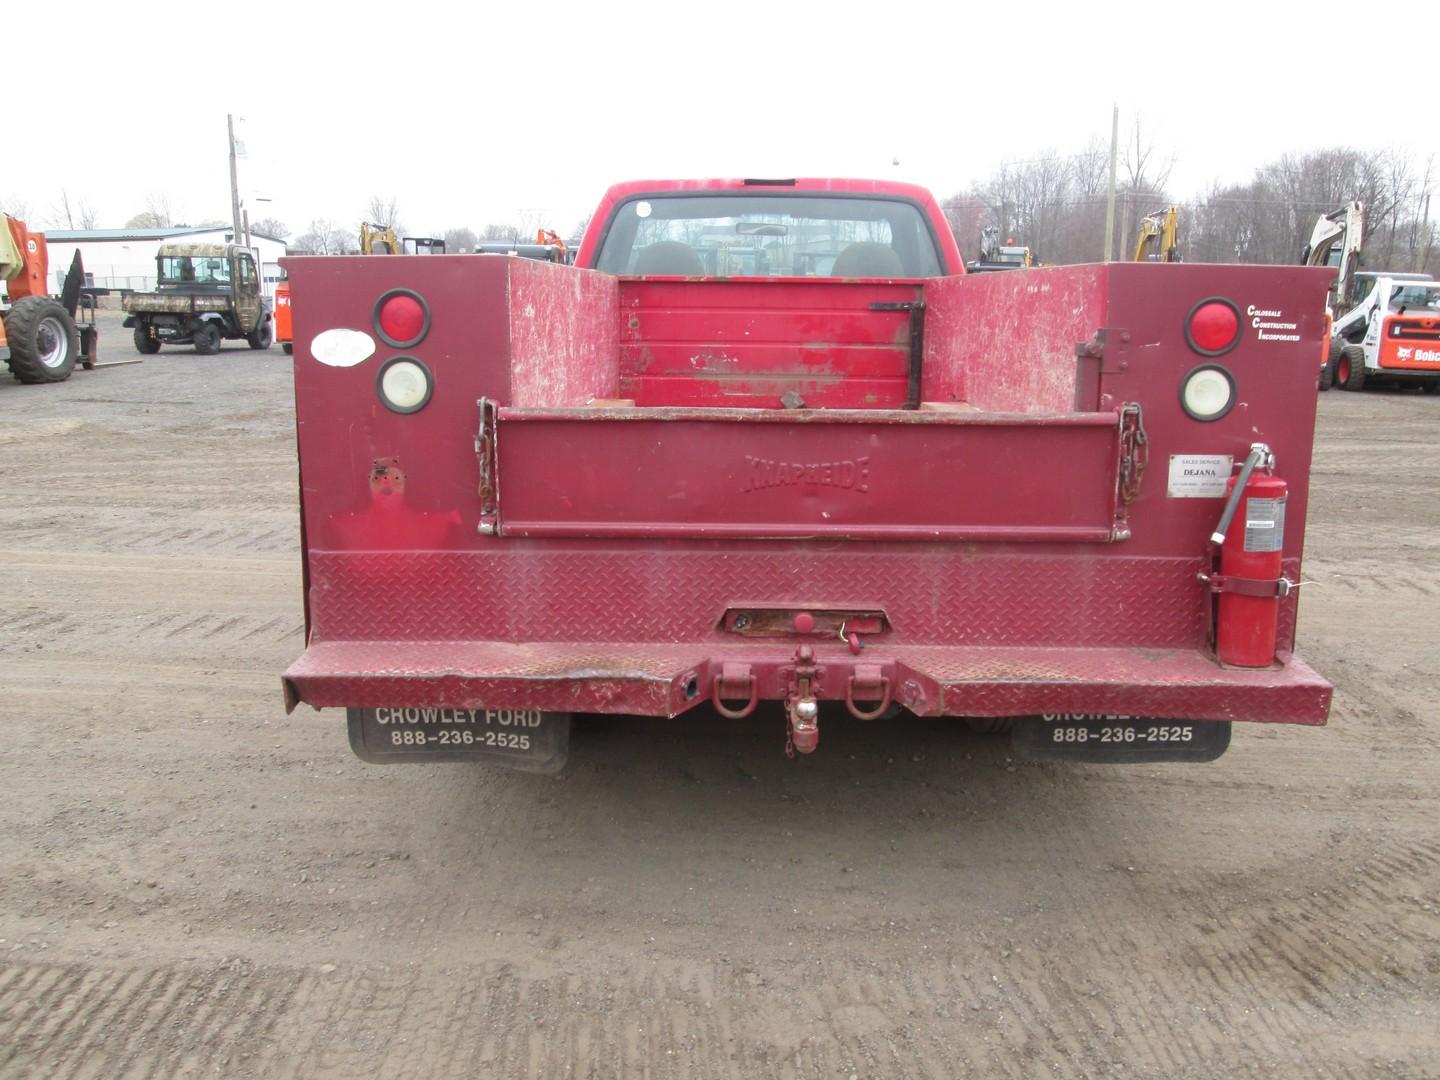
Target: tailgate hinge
x: 916, y: 308
x: 485, y: 446
x: 1106, y: 353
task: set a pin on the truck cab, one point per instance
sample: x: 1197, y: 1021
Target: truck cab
x: 204, y: 294
x: 769, y: 442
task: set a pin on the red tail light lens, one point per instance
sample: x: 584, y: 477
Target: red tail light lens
x: 1213, y: 326
x: 402, y: 318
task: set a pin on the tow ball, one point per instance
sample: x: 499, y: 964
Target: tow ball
x: 804, y: 732
x: 802, y: 709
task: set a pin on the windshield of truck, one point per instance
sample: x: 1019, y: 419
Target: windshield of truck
x: 743, y: 235
x: 194, y: 269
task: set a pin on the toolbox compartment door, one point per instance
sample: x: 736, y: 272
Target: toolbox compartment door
x: 773, y: 474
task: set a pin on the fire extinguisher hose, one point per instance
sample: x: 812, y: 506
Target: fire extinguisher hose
x: 1259, y: 454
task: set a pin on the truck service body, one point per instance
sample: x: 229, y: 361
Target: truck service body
x: 767, y: 442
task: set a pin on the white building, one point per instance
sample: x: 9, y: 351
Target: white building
x: 125, y: 258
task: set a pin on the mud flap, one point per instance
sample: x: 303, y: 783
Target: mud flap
x: 1119, y: 739
x: 524, y: 739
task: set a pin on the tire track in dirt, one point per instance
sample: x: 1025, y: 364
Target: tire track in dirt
x: 273, y: 536
x: 1264, y: 916
x: 1241, y: 991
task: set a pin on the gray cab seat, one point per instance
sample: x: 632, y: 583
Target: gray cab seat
x: 868, y: 260
x: 669, y: 257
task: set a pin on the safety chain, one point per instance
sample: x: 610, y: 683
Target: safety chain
x: 1134, y: 451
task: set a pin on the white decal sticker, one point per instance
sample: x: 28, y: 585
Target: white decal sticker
x: 1199, y: 476
x: 642, y: 209
x: 1268, y: 325
x: 1265, y: 524
x: 342, y: 348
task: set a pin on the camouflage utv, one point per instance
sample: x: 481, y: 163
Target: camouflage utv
x: 205, y: 293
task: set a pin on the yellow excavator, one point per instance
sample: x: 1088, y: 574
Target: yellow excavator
x: 381, y: 240
x: 1159, y: 237
x: 378, y: 240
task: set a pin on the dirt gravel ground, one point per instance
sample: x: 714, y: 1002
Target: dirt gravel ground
x: 192, y: 884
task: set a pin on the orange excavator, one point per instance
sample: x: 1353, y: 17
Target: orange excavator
x: 551, y: 238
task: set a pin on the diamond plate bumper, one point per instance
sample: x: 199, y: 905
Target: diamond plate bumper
x: 667, y: 680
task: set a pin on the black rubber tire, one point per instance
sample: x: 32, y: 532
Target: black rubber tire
x: 31, y: 328
x: 207, y: 339
x: 1352, y: 358
x: 990, y: 725
x: 288, y: 347
x: 1327, y: 373
x: 144, y: 343
x: 263, y: 336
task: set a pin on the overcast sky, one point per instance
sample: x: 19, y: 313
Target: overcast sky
x: 525, y: 112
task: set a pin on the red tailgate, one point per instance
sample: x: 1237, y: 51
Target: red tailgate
x: 760, y: 474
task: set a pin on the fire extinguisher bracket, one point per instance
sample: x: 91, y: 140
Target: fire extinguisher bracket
x: 1267, y: 588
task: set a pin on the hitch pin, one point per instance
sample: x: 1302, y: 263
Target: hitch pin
x: 853, y: 640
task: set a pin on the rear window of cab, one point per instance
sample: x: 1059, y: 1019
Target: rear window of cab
x: 735, y: 234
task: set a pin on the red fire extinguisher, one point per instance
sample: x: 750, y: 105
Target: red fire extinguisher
x: 1251, y: 535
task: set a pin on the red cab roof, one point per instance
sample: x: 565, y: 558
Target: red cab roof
x: 617, y: 193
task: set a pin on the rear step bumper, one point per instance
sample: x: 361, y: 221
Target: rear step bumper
x: 667, y: 680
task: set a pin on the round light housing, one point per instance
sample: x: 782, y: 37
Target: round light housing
x: 1208, y: 392
x: 402, y: 318
x: 1213, y: 326
x: 404, y: 384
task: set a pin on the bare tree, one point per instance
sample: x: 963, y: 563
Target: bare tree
x: 61, y: 212
x: 158, y: 214
x: 324, y: 237
x: 1270, y: 218
x: 15, y: 206
x: 272, y: 227
x: 499, y: 233
x: 1053, y: 203
x: 1144, y: 167
x: 459, y: 240
x: 577, y: 232
x: 384, y: 211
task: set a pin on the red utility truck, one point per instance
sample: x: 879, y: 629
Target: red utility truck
x: 768, y: 443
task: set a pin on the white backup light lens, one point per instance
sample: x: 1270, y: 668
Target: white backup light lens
x: 1207, y: 393
x: 404, y: 386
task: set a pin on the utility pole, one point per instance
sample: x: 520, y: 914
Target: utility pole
x: 1110, y: 199
x: 1109, y: 202
x: 1422, y: 249
x: 1125, y: 209
x: 235, y: 181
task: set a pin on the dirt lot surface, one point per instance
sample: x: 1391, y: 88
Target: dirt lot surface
x: 192, y: 884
